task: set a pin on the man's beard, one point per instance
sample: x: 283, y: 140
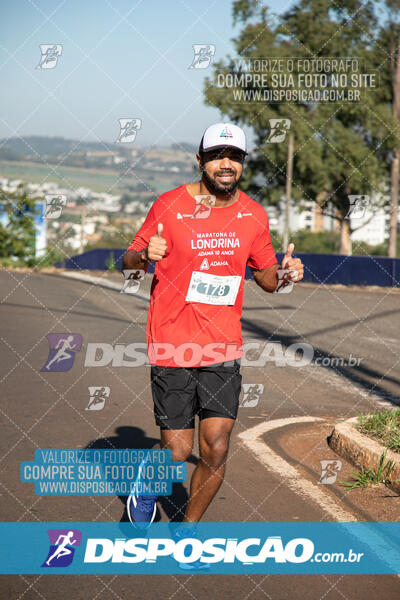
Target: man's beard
x: 218, y: 188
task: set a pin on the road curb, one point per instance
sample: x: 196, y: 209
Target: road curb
x: 361, y: 450
x: 101, y: 282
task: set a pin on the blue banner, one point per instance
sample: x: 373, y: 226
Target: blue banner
x: 214, y: 548
x: 89, y: 472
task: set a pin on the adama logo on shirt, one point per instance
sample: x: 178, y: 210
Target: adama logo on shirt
x: 205, y: 265
x: 219, y: 263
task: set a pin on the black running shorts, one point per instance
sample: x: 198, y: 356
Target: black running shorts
x: 180, y: 393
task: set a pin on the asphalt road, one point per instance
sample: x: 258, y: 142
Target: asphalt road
x: 45, y: 410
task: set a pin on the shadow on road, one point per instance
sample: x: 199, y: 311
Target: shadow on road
x: 357, y: 375
x: 134, y: 438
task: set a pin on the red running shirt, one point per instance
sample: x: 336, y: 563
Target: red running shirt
x: 215, y: 241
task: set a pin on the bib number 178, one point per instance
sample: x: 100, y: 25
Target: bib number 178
x: 212, y: 290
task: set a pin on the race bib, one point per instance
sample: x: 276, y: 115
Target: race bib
x: 213, y: 289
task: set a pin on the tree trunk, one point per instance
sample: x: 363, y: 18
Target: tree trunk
x: 394, y: 205
x: 288, y: 198
x: 345, y: 237
x: 394, y: 174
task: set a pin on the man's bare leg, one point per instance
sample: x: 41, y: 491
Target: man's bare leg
x: 179, y: 441
x: 214, y: 435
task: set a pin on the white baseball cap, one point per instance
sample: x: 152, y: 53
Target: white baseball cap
x: 222, y: 135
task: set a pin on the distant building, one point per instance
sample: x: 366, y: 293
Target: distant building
x: 371, y: 228
x: 374, y: 230
x: 304, y: 215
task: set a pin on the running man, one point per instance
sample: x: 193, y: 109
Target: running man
x: 194, y: 333
x: 50, y: 55
x: 56, y: 204
x: 62, y: 354
x: 62, y: 549
x: 130, y: 128
x: 99, y: 396
x: 204, y: 54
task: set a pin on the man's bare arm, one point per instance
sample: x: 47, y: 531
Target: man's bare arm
x: 267, y: 279
x: 134, y: 260
x: 156, y: 250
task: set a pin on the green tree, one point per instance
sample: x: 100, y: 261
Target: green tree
x: 17, y: 229
x: 387, y: 59
x: 335, y: 151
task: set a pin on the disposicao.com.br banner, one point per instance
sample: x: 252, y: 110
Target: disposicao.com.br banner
x: 290, y: 548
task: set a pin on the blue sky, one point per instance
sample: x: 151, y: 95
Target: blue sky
x: 121, y: 58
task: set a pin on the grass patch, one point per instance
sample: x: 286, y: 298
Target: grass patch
x: 365, y: 477
x: 383, y: 426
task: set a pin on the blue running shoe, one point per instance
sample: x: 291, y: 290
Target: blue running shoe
x: 141, y: 509
x: 189, y: 532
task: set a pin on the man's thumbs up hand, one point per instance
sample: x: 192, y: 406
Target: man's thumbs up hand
x: 288, y: 256
x: 293, y: 266
x: 157, y: 248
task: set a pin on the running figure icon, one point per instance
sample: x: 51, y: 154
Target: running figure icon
x: 62, y: 549
x: 62, y: 353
